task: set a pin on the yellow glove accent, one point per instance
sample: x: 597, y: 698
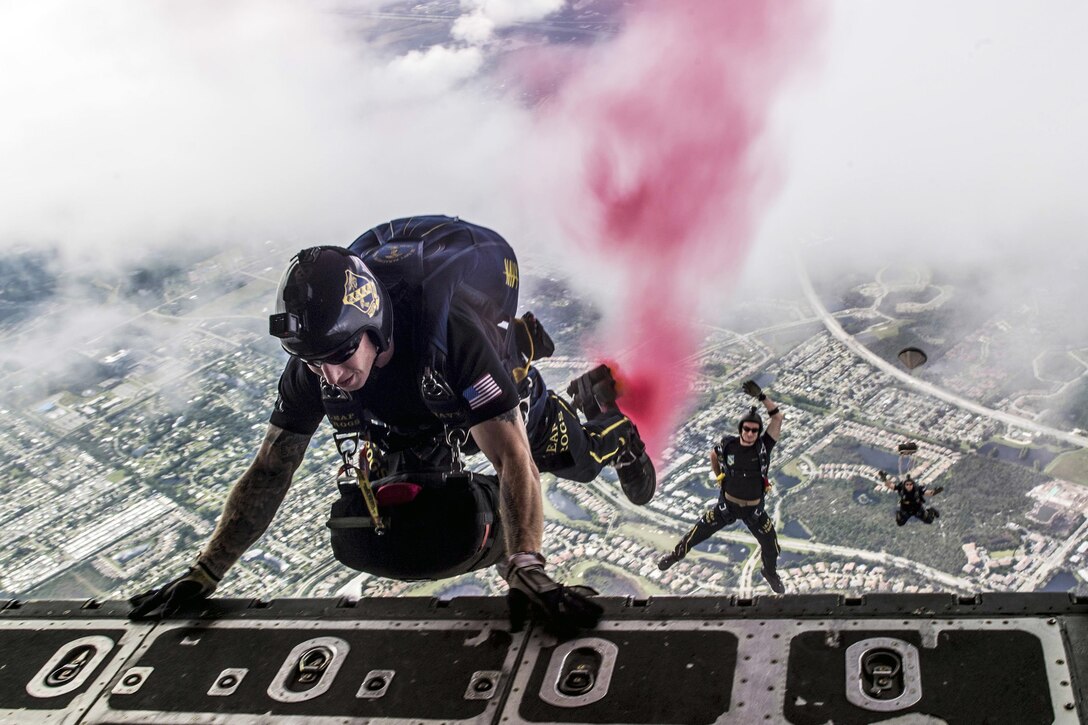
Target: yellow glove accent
x: 721, y: 477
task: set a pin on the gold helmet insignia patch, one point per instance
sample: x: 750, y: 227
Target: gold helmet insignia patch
x: 361, y: 293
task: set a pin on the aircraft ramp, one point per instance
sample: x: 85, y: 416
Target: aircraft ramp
x: 804, y: 659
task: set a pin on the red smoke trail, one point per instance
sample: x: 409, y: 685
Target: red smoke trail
x: 668, y: 175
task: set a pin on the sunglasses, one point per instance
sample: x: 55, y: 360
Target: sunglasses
x: 749, y: 429
x: 338, y: 356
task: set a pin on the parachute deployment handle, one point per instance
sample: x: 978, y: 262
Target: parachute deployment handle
x: 347, y: 444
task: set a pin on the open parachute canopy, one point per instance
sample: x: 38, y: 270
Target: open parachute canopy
x: 912, y: 357
x: 906, y: 450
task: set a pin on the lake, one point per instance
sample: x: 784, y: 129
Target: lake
x: 735, y: 552
x: 611, y: 584
x: 792, y: 558
x: 884, y: 460
x: 784, y: 482
x: 1063, y: 581
x: 567, y: 505
x: 867, y: 497
x: 1022, y: 456
x: 796, y: 530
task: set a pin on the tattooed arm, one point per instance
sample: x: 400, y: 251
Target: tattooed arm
x: 532, y: 592
x: 504, y: 441
x: 250, y: 507
x: 255, y: 498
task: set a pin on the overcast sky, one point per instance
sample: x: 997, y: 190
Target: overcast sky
x: 955, y: 127
x: 677, y: 157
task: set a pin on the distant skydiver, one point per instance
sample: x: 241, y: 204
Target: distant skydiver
x: 453, y: 376
x: 740, y: 464
x: 912, y: 497
x: 912, y: 357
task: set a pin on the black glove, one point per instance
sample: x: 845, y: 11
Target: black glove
x: 188, y: 588
x: 752, y: 388
x: 541, y: 342
x: 882, y: 476
x: 938, y: 489
x: 561, y: 607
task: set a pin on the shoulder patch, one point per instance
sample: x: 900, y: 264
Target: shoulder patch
x: 482, y: 391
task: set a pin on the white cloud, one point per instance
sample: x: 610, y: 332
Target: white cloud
x: 507, y: 12
x: 158, y: 123
x: 474, y: 29
x: 135, y: 128
x: 438, y: 68
x: 483, y: 17
x: 950, y: 128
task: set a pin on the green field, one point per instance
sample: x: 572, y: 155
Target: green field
x: 1072, y: 466
x: 792, y: 469
x: 887, y: 330
x: 981, y: 497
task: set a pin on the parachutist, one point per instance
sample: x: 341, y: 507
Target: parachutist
x: 454, y: 375
x: 912, y: 357
x: 740, y: 464
x: 912, y: 496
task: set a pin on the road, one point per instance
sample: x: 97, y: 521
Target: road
x: 922, y: 386
x: 1054, y: 560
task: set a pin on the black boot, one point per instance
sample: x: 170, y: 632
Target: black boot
x: 668, y: 560
x: 594, y: 394
x: 774, y: 580
x: 635, y: 470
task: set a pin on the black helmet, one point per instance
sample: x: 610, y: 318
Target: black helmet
x: 328, y: 299
x: 750, y: 417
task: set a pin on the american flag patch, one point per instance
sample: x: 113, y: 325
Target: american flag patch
x: 482, y: 391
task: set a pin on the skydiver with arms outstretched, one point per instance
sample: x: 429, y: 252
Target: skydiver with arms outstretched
x: 740, y: 464
x: 912, y: 496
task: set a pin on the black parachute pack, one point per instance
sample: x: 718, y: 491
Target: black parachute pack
x: 431, y: 262
x: 436, y: 525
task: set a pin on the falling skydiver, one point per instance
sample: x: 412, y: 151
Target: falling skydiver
x: 912, y: 497
x: 740, y: 463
